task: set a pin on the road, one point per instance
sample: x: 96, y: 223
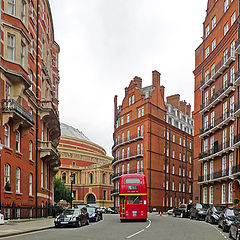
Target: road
x: 157, y: 227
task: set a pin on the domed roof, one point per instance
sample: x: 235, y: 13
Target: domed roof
x: 70, y: 131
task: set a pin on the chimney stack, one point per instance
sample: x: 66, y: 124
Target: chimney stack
x: 156, y: 78
x: 138, y: 81
x: 162, y: 90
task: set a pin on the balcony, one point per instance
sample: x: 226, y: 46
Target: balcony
x: 224, y: 119
x: 14, y: 110
x: 216, y: 176
x: 130, y: 156
x: 217, y: 151
x: 237, y: 46
x: 229, y: 58
x: 217, y: 97
x: 132, y: 138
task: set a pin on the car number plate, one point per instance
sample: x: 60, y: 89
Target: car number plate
x: 134, y: 213
x: 64, y: 222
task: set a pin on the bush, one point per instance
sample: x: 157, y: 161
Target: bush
x: 236, y: 200
x: 7, y: 186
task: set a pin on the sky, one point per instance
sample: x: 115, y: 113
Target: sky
x: 105, y: 43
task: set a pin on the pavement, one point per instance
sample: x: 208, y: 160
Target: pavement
x: 15, y: 227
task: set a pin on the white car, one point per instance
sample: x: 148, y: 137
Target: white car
x: 170, y: 212
x: 1, y: 218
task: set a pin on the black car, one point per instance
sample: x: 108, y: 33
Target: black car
x: 213, y: 213
x: 94, y: 215
x: 227, y: 217
x: 73, y: 217
x: 234, y: 231
x: 182, y: 210
x: 198, y: 211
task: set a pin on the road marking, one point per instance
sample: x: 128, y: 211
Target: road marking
x: 140, y: 230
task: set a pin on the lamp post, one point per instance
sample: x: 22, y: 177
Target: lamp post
x: 71, y: 179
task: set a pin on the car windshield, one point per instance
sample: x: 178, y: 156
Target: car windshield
x: 205, y: 206
x: 91, y: 210
x: 231, y: 212
x: 68, y: 212
x: 219, y: 208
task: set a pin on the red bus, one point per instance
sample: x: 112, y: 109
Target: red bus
x: 133, y: 197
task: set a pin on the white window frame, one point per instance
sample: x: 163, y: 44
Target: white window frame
x: 18, y: 141
x: 30, y: 184
x: 10, y: 47
x: 18, y: 179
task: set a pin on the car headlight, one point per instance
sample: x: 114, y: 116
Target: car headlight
x: 201, y: 212
x: 74, y: 218
x: 93, y: 214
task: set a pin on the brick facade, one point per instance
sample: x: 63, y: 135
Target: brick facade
x: 29, y: 119
x: 148, y: 138
x: 216, y: 104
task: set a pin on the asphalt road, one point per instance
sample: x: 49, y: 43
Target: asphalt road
x: 164, y: 228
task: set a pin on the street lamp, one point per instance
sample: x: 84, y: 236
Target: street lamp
x: 71, y: 179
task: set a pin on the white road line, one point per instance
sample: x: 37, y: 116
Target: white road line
x: 140, y: 230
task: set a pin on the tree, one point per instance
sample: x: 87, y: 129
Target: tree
x: 60, y: 191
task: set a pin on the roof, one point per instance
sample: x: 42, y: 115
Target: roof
x: 147, y: 91
x: 70, y: 131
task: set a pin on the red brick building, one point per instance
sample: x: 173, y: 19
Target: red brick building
x: 89, y: 165
x: 216, y: 116
x: 29, y: 119
x: 154, y: 137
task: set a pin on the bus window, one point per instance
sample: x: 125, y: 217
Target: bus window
x: 133, y: 180
x: 134, y: 199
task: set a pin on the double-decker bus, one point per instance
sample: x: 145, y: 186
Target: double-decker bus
x: 133, y: 197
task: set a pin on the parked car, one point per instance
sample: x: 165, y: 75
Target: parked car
x: 1, y: 218
x: 112, y: 210
x: 93, y: 205
x: 213, y: 213
x: 234, y: 231
x: 103, y: 209
x: 182, y: 210
x: 198, y: 211
x: 227, y: 217
x: 170, y: 212
x: 94, y: 215
x: 75, y: 217
x: 81, y: 206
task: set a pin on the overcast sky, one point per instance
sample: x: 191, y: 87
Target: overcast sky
x: 105, y: 43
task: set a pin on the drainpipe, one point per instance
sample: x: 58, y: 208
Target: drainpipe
x: 36, y: 166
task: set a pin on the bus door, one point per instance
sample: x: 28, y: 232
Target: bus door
x: 122, y: 206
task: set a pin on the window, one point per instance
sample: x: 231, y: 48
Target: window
x: 211, y: 195
x: 173, y: 169
x: 91, y: 178
x: 31, y: 45
x: 214, y: 22
x: 30, y: 150
x: 18, y: 140
x: 230, y: 193
x: 223, y: 194
x: 205, y: 122
x: 233, y: 18
x: 231, y: 135
x: 204, y: 195
x: 173, y: 154
x: 17, y: 180
x: 43, y: 9
x: 128, y: 152
x: 128, y: 135
x: 230, y: 163
x: 123, y: 169
x: 142, y: 130
x: 180, y: 141
x: 173, y: 138
x: 128, y: 168
x: 104, y: 195
x: 232, y: 71
x: 224, y: 166
x: 180, y: 156
x: 10, y: 47
x: 30, y: 184
x: 41, y: 174
x: 141, y: 112
x: 207, y: 53
x: 133, y: 99
x: 46, y: 176
x: 213, y: 44
x: 167, y: 185
x: 226, y: 5
x: 211, y: 170
x: 190, y: 173
x: 123, y: 137
x: 232, y: 49
x: 7, y: 135
x: 122, y: 153
x: 224, y: 139
x: 205, y: 172
x: 183, y: 187
x: 225, y: 28
x: 179, y: 171
x: 207, y: 31
x: 104, y: 178
x: 206, y: 98
x: 173, y: 187
x: 31, y: 9
x: 6, y: 173
x: 11, y: 7
x: 23, y: 11
x: 225, y: 110
x: 64, y: 177
x: 129, y: 101
x: 180, y: 187
x: 128, y: 118
x: 184, y: 142
x: 137, y: 166
x: 205, y: 145
x: 122, y: 120
x: 213, y: 69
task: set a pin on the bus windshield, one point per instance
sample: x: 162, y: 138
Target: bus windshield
x: 134, y: 199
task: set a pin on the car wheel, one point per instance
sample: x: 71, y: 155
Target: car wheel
x: 57, y: 226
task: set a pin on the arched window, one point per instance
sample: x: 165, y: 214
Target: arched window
x: 91, y: 178
x: 104, y: 178
x: 64, y: 177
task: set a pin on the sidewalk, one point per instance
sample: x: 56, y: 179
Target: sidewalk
x: 14, y: 227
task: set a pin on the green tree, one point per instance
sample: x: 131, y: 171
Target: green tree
x: 60, y: 191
